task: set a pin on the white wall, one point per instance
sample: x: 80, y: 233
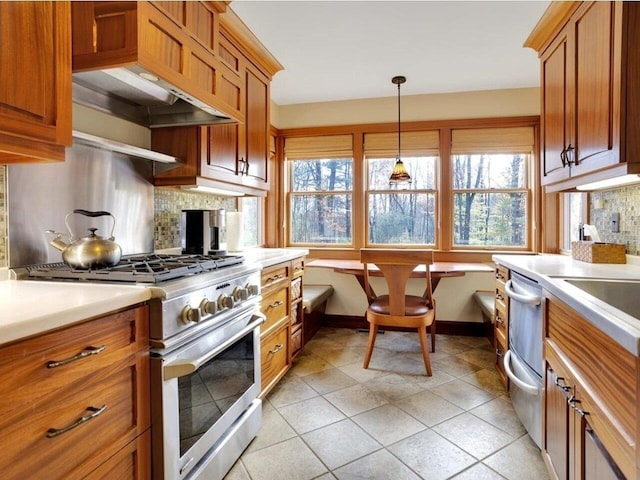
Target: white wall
x: 454, y: 301
x: 460, y: 105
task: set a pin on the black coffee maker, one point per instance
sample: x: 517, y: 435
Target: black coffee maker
x: 203, y: 232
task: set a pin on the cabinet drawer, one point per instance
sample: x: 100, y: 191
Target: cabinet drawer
x: 501, y: 325
x: 274, y: 355
x: 76, y: 451
x: 275, y: 306
x: 132, y: 462
x: 502, y: 274
x: 274, y: 276
x: 59, y: 359
x: 297, y: 270
x: 502, y: 302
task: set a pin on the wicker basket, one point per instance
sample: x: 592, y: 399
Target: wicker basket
x: 599, y: 252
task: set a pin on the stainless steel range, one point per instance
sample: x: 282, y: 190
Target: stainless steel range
x: 205, y: 355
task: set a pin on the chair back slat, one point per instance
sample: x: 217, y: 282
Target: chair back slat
x: 397, y: 267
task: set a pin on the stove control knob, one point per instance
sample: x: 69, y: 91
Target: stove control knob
x: 208, y: 308
x: 190, y: 314
x: 240, y: 294
x: 225, y: 301
x: 252, y: 289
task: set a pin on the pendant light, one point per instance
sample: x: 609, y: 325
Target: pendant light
x: 399, y: 176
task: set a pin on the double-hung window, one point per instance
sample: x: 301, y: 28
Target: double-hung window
x: 490, y: 187
x: 320, y: 189
x: 402, y: 215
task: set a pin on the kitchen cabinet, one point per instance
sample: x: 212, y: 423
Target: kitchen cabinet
x: 501, y: 320
x: 226, y: 155
x: 174, y: 41
x: 77, y: 400
x: 35, y: 98
x: 589, y: 82
x: 281, y: 335
x: 590, y: 400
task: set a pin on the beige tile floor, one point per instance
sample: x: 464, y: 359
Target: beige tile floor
x: 330, y: 418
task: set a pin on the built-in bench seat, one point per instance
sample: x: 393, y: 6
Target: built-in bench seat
x: 486, y: 300
x: 314, y: 301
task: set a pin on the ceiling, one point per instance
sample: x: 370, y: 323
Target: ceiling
x: 338, y: 50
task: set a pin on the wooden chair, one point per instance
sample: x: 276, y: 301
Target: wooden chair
x: 397, y: 309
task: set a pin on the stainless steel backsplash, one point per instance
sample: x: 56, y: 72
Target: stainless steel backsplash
x: 39, y: 196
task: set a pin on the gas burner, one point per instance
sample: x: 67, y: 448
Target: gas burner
x: 145, y: 268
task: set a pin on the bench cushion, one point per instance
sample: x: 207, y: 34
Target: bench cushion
x: 315, y: 295
x: 486, y: 300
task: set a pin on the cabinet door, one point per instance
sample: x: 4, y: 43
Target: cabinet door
x: 592, y: 68
x: 554, y: 111
x: 556, y: 434
x: 598, y: 464
x: 256, y: 125
x: 35, y: 84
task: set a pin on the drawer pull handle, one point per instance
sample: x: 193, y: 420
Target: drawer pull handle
x: 559, y: 381
x: 499, y: 297
x: 572, y: 403
x: 499, y: 276
x: 276, y: 349
x: 276, y: 304
x: 499, y: 320
x: 95, y: 411
x: 499, y: 353
x: 275, y: 277
x: 87, y: 352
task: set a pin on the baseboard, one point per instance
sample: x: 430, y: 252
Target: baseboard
x: 445, y: 327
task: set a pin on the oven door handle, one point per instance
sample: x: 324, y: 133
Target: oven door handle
x: 186, y: 366
x: 519, y: 297
x: 524, y: 386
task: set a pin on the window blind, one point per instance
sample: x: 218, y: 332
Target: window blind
x: 313, y: 148
x: 492, y: 140
x: 385, y: 145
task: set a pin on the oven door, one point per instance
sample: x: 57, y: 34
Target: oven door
x: 199, y: 394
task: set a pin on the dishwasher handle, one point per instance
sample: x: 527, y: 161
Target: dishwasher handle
x: 519, y: 297
x: 524, y: 386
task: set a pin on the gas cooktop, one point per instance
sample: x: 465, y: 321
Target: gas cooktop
x: 144, y: 268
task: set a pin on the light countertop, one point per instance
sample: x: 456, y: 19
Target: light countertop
x: 551, y: 272
x: 32, y: 307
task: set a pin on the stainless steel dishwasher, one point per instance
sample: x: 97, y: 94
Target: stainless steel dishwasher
x: 523, y: 362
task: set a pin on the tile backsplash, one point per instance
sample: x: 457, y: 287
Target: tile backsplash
x: 624, y: 201
x: 168, y: 204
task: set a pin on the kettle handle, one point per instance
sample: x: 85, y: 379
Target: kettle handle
x: 88, y: 213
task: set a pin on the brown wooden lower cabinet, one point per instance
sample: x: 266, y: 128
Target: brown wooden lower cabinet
x: 590, y: 400
x: 281, y: 335
x: 75, y: 402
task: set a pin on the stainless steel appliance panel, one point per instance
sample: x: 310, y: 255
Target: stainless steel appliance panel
x: 40, y: 196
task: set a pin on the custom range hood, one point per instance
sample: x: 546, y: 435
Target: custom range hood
x: 141, y: 97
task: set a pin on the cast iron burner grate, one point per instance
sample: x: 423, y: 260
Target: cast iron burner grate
x: 147, y: 268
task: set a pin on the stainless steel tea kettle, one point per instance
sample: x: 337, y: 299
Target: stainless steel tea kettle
x: 92, y: 251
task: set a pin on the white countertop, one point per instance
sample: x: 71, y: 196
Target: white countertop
x: 550, y: 271
x: 32, y: 307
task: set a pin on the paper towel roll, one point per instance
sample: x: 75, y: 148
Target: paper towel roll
x: 592, y: 232
x: 235, y: 231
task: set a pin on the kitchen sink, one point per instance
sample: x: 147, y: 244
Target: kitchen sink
x: 623, y: 295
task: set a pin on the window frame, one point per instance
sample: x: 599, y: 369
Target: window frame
x: 444, y: 201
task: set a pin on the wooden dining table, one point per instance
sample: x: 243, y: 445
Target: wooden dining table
x: 439, y: 270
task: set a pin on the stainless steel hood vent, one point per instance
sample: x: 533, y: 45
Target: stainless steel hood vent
x: 133, y: 94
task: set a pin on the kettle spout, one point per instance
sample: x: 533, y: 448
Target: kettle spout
x: 57, y: 241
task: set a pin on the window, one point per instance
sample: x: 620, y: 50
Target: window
x: 472, y: 185
x: 251, y: 220
x: 574, y: 213
x: 321, y: 189
x: 402, y: 215
x: 490, y: 187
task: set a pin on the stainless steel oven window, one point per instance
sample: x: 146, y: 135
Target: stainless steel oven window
x: 205, y: 395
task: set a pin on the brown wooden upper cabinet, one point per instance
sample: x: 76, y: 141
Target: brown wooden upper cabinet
x: 590, y: 113
x: 230, y: 156
x: 35, y: 83
x: 175, y: 41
